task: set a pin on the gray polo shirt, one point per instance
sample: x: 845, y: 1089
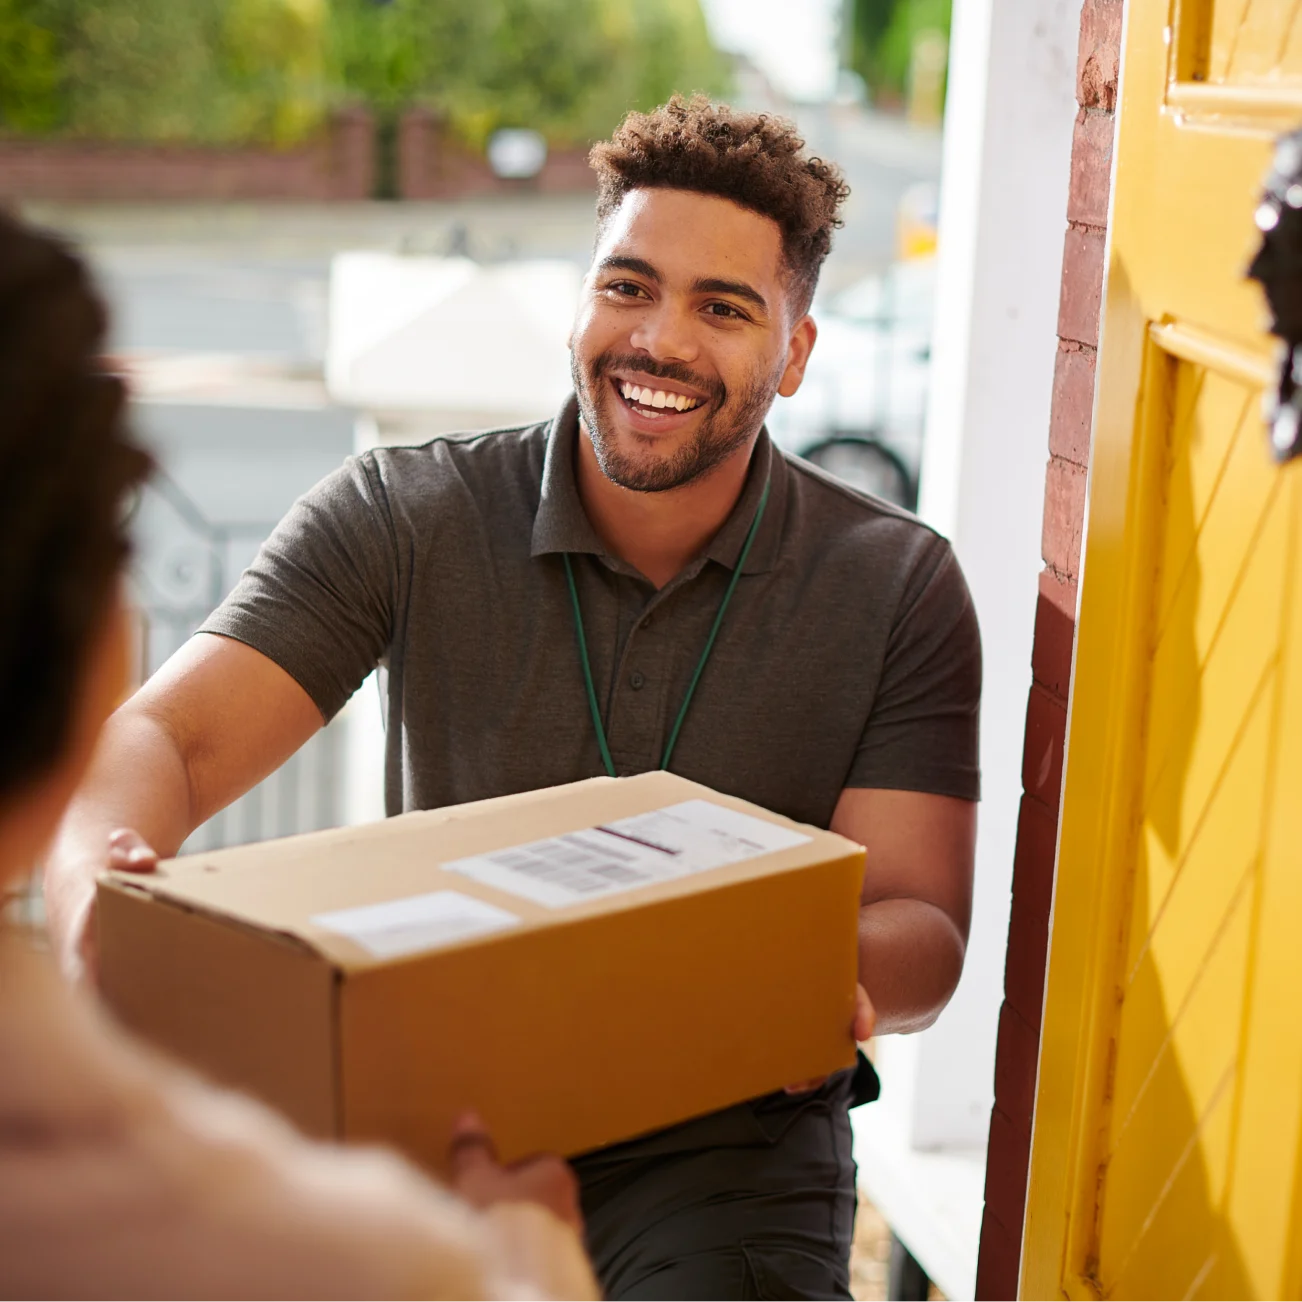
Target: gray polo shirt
x: 849, y: 656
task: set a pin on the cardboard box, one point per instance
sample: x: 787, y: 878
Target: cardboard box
x: 580, y: 965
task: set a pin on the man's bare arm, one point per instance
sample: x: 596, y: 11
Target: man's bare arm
x: 917, y: 899
x: 210, y: 724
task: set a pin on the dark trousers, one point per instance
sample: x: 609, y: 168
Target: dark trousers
x: 757, y: 1201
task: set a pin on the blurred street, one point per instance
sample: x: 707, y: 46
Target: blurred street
x: 251, y: 280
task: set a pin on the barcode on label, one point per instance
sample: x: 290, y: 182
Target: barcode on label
x: 692, y: 836
x: 570, y: 864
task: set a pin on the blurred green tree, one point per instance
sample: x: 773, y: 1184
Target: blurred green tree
x: 273, y: 56
x: 221, y: 71
x: 31, y: 67
x: 206, y: 71
x: 882, y: 39
x: 567, y: 68
x: 655, y: 49
x: 385, y: 54
x: 210, y: 71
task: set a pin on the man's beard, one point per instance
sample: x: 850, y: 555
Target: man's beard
x: 724, y: 429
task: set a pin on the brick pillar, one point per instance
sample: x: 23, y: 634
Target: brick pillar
x: 352, y: 148
x: 419, y: 145
x: 1055, y: 631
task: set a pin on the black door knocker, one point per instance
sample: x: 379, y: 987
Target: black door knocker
x: 1278, y: 266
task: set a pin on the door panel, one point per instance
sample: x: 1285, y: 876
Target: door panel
x: 1165, y: 1158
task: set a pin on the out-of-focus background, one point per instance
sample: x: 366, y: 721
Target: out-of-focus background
x: 327, y: 224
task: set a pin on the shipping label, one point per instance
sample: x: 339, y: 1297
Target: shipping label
x: 658, y: 846
x: 417, y: 923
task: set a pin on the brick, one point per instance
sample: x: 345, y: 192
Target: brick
x: 1082, y: 285
x: 432, y: 165
x: 1015, y: 1064
x: 353, y: 153
x: 1037, y: 843
x: 1046, y: 729
x: 999, y: 1260
x: 1028, y: 923
x: 1072, y: 414
x: 1064, y: 516
x: 1027, y: 958
x: 1055, y: 633
x: 1099, y: 54
x: 1091, y: 168
x: 1007, y: 1162
x: 337, y: 164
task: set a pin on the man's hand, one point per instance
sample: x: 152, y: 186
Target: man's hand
x: 213, y: 721
x: 865, y: 1018
x: 482, y: 1180
x: 127, y: 852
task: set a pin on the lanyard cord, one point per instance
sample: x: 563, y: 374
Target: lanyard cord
x: 700, y: 664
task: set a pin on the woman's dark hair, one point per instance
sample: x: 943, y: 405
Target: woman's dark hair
x: 755, y: 159
x: 67, y: 465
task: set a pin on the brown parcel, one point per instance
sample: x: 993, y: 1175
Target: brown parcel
x: 567, y: 1028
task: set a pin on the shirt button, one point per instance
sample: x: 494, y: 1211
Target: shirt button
x: 637, y: 680
x: 646, y: 623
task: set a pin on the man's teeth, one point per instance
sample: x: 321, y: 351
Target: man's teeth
x: 658, y: 397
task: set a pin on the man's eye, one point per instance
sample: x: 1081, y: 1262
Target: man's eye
x: 627, y: 289
x: 725, y: 310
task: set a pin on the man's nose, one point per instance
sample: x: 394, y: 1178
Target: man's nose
x: 667, y: 333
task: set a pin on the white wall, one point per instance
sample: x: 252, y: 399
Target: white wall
x: 1007, y: 153
x: 1003, y: 216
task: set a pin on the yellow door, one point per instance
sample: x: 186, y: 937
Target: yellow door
x: 1168, y: 1124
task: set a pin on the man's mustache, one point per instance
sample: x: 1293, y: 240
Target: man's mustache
x: 678, y: 371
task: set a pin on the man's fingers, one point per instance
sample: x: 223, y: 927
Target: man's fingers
x: 128, y: 851
x: 471, y: 1148
x: 865, y: 1019
x: 81, y: 962
x: 551, y: 1181
x: 806, y: 1086
x: 482, y: 1181
x: 865, y: 1015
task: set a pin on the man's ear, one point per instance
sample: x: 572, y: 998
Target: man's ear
x: 802, y: 344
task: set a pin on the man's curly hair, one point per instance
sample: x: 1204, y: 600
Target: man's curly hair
x: 754, y: 159
x: 66, y: 466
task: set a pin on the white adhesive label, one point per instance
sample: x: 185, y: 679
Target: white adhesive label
x: 621, y: 856
x: 417, y: 923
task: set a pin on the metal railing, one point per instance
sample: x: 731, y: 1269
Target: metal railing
x: 185, y: 565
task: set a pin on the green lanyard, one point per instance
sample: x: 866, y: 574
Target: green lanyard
x: 700, y: 664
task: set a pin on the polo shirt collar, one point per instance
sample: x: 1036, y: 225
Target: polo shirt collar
x: 562, y: 525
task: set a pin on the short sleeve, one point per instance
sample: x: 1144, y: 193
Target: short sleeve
x: 320, y: 596
x: 922, y: 731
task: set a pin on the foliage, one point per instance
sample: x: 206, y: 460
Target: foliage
x: 274, y: 57
x: 210, y: 71
x: 220, y: 71
x: 30, y: 66
x: 883, y: 37
x: 386, y: 54
x: 655, y: 50
x: 568, y: 68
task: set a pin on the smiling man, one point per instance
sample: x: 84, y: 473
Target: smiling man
x: 644, y: 581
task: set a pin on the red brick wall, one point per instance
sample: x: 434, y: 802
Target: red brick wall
x: 432, y: 167
x: 1055, y: 631
x: 338, y: 165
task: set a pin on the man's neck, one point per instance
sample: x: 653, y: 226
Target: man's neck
x: 658, y: 533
